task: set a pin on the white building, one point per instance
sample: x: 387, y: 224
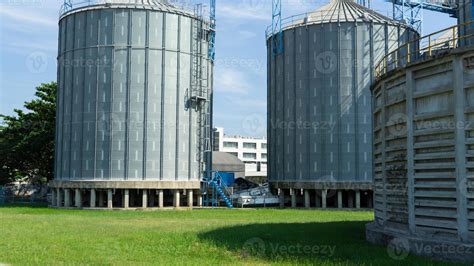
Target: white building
x: 252, y: 151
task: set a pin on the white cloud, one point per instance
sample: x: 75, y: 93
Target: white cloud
x: 231, y: 81
x: 21, y: 16
x: 242, y: 11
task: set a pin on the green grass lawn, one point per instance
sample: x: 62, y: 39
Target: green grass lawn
x: 46, y: 236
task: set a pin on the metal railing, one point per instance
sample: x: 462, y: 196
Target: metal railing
x: 425, y: 47
x: 74, y: 4
x: 306, y: 18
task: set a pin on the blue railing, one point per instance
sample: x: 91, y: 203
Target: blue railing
x: 214, y: 188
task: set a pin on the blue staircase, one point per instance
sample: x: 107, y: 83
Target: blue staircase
x: 213, y: 188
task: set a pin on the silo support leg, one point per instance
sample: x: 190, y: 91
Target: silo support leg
x: 176, y: 198
x: 59, y: 198
x: 293, y: 198
x: 110, y: 202
x: 324, y: 198
x: 199, y: 201
x: 282, y: 198
x: 93, y: 198
x: 160, y: 198
x: 318, y: 199
x: 339, y: 199
x: 53, y: 198
x: 358, y: 199
x: 307, y: 203
x: 78, y: 199
x: 67, y: 198
x: 126, y: 198
x: 144, y: 198
x: 190, y: 198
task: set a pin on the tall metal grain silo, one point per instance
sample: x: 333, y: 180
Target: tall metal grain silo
x: 134, y: 99
x: 319, y: 103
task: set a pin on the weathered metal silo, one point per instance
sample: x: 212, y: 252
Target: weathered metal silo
x: 465, y: 15
x: 423, y: 113
x: 319, y: 107
x: 134, y: 97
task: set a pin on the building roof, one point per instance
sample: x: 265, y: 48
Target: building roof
x: 225, y: 162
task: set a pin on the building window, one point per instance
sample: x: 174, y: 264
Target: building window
x: 250, y: 155
x: 264, y: 146
x: 249, y: 145
x: 264, y: 156
x: 228, y: 144
x: 234, y: 153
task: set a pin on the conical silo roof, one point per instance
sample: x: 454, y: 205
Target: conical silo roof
x: 347, y: 11
x: 338, y: 11
x: 161, y: 5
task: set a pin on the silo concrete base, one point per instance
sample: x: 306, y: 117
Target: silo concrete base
x: 323, y: 195
x: 400, y: 245
x: 125, y: 194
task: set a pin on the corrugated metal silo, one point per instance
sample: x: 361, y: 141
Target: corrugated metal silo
x: 319, y: 107
x: 466, y: 26
x: 423, y: 154
x: 133, y: 101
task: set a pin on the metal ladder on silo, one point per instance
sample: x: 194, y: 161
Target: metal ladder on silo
x: 200, y: 86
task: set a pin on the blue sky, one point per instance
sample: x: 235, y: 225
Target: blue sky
x: 28, y: 48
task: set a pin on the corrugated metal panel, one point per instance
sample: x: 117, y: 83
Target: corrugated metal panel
x: 423, y: 149
x: 319, y: 96
x: 123, y: 76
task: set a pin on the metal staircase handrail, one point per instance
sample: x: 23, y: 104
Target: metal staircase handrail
x: 214, y: 181
x: 222, y: 184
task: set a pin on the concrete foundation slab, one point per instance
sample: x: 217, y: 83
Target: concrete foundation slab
x: 400, y: 245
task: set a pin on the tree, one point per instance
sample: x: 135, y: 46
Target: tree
x: 27, y: 140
